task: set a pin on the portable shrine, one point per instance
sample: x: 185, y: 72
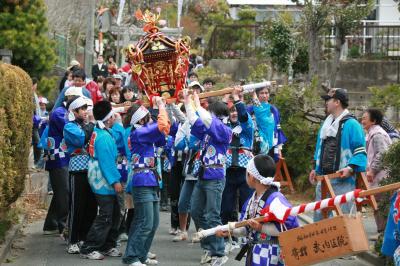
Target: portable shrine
x: 159, y: 63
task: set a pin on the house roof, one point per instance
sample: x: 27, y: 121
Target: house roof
x: 261, y: 2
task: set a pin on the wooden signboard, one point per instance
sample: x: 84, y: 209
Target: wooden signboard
x: 322, y: 241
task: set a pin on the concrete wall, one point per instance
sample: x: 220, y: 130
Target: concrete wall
x: 356, y: 76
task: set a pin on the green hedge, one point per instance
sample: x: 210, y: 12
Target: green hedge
x: 16, y: 106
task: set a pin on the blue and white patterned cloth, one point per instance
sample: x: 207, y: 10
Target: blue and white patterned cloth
x: 267, y: 255
x: 78, y: 163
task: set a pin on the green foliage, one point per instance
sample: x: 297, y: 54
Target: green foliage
x: 385, y: 97
x: 300, y: 64
x: 354, y: 51
x: 391, y: 163
x: 222, y: 80
x: 23, y: 29
x: 283, y: 47
x: 247, y: 15
x: 46, y: 85
x: 209, y: 12
x: 280, y: 44
x: 296, y: 105
x: 348, y: 15
x: 259, y: 72
x: 16, y: 107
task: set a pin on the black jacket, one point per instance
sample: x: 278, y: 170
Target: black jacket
x: 99, y: 72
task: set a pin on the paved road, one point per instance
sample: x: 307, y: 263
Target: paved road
x: 33, y: 248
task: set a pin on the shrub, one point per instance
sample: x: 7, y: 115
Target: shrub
x: 385, y: 97
x: 46, y: 85
x: 16, y: 107
x: 300, y: 123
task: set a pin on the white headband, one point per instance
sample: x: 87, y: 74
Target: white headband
x: 108, y: 116
x: 268, y: 181
x: 139, y: 114
x: 77, y: 103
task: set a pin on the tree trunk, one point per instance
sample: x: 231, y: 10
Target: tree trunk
x: 313, y: 52
x: 339, y: 44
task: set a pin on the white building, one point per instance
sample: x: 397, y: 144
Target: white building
x: 387, y: 12
x: 265, y: 9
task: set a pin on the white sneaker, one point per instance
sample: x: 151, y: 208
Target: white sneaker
x: 218, y: 261
x: 206, y: 258
x: 137, y: 263
x: 73, y: 249
x: 123, y: 237
x: 94, y: 255
x: 113, y: 252
x: 181, y: 236
x: 195, y: 238
x: 230, y: 246
x: 151, y: 262
x: 173, y: 231
x: 151, y: 255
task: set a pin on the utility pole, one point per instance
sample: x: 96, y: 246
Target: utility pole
x: 90, y: 38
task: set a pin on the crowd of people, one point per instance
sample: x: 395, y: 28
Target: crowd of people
x: 115, y: 163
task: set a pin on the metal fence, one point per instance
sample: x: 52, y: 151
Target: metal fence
x: 61, y: 50
x: 369, y: 40
x: 234, y: 41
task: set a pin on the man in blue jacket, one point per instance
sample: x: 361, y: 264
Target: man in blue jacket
x: 340, y: 148
x: 104, y: 179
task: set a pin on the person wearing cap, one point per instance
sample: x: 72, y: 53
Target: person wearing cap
x: 144, y: 179
x: 269, y: 137
x: 104, y: 180
x: 340, y: 148
x: 209, y: 126
x: 83, y: 206
x: 99, y: 69
x: 79, y: 77
x: 118, y: 80
x: 196, y: 86
x: 57, y: 160
x: 262, y: 244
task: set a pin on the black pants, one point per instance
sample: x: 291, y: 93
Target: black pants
x: 58, y: 210
x: 82, y: 208
x: 166, y: 176
x: 235, y: 181
x: 37, y: 153
x: 174, y: 190
x: 103, y: 233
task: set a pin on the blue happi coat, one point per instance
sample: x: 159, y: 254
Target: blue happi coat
x: 121, y: 135
x: 264, y: 253
x: 103, y: 172
x: 352, y: 150
x: 269, y: 127
x: 215, y: 141
x: 391, y: 240
x: 56, y: 152
x: 142, y: 142
x: 244, y: 129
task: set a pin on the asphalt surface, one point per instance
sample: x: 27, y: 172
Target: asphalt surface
x: 32, y: 248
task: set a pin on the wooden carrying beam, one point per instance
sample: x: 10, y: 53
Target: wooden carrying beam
x: 328, y: 192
